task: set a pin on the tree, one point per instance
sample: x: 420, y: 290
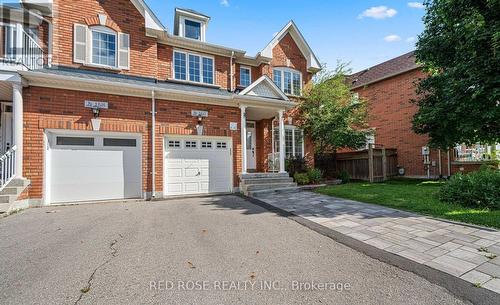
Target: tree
x: 460, y: 51
x: 330, y: 114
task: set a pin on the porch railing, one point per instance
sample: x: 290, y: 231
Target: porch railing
x: 18, y: 47
x: 475, y: 153
x: 273, y: 162
x: 7, y: 167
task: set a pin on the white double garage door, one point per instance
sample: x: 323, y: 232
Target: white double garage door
x: 89, y: 166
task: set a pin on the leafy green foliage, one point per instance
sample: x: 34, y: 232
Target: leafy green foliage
x: 476, y: 189
x: 314, y: 175
x: 460, y: 51
x: 301, y: 178
x: 295, y: 164
x: 344, y: 176
x: 330, y: 114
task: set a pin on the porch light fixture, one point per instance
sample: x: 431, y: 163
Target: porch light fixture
x: 199, y: 126
x: 96, y: 121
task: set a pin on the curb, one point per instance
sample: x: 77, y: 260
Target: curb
x: 454, y: 285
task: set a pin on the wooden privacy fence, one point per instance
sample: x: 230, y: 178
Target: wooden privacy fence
x: 372, y: 164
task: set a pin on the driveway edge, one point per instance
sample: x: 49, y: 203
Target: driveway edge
x: 454, y: 285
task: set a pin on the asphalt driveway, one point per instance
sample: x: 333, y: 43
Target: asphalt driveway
x: 215, y: 250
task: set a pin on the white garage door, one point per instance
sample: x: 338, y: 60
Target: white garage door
x: 197, y: 165
x: 83, y: 167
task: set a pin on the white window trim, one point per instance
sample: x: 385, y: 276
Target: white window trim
x: 105, y: 30
x: 187, y: 67
x: 282, y: 85
x: 293, y: 128
x: 182, y: 28
x: 249, y: 75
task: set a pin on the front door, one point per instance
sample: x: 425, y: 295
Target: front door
x: 251, y: 158
x: 6, y: 128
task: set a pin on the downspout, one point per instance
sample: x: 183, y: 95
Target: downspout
x: 153, y: 136
x: 449, y: 163
x: 231, y: 72
x: 440, y: 167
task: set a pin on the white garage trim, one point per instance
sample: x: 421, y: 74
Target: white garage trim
x: 183, y: 143
x: 99, y: 145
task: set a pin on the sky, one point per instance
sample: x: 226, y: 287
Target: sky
x: 360, y: 32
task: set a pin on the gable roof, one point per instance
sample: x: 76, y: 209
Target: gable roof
x: 392, y: 67
x: 152, y: 22
x: 313, y: 64
x: 264, y: 87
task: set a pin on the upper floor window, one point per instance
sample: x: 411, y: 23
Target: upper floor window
x: 289, y: 80
x: 193, y: 67
x: 192, y: 29
x: 245, y: 76
x: 103, y: 47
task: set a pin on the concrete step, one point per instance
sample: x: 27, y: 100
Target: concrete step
x: 20, y: 182
x: 273, y: 191
x: 7, y: 198
x: 263, y: 175
x: 268, y: 186
x: 253, y: 181
x: 12, y: 190
x: 4, y: 207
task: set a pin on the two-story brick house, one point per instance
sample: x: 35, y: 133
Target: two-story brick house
x: 121, y: 107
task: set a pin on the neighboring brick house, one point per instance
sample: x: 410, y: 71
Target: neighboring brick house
x: 122, y: 108
x: 389, y: 88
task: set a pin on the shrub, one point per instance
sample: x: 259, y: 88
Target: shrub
x: 301, y: 178
x: 344, y: 176
x: 314, y: 175
x: 476, y: 189
x: 295, y: 165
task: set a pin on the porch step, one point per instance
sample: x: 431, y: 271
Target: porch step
x: 260, y: 193
x: 267, y: 186
x: 251, y: 181
x: 263, y: 175
x: 11, y: 192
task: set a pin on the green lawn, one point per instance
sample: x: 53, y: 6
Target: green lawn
x: 413, y: 195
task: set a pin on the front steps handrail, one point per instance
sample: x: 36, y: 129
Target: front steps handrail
x: 7, y: 167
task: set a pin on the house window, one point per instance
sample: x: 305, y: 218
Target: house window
x: 199, y: 68
x: 288, y: 80
x: 192, y: 29
x: 194, y: 68
x: 294, y: 141
x: 180, y: 65
x: 245, y: 76
x: 206, y: 144
x: 190, y: 144
x: 174, y: 144
x: 103, y: 47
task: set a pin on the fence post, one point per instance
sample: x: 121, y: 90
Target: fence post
x: 370, y: 162
x: 384, y: 164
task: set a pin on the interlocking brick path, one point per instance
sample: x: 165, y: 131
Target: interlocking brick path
x: 466, y: 251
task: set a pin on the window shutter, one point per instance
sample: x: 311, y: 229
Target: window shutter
x: 80, y: 43
x: 123, y: 51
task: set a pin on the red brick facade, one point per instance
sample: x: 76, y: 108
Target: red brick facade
x: 390, y: 114
x: 51, y: 108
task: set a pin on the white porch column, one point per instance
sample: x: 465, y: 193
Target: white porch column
x: 243, y: 139
x: 282, y: 140
x: 17, y: 117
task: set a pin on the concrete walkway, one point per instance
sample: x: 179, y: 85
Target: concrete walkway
x: 469, y: 252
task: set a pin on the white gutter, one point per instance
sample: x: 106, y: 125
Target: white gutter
x: 153, y: 134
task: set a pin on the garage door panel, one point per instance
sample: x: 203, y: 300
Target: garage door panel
x: 204, y: 170
x: 93, y: 173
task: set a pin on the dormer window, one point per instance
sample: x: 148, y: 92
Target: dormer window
x: 192, y: 29
x: 190, y: 24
